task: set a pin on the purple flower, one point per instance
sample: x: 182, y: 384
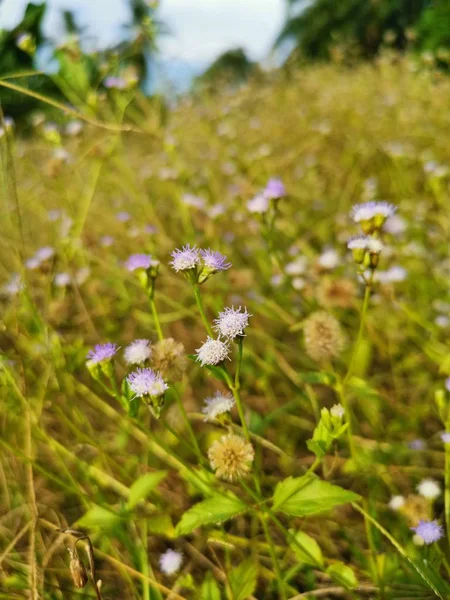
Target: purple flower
x: 145, y: 382
x: 44, y: 253
x: 106, y: 241
x: 138, y: 261
x: 185, y: 259
x: 445, y: 437
x: 123, y: 216
x: 417, y: 444
x: 102, y: 352
x: 117, y: 83
x: 214, y: 261
x: 429, y: 531
x: 274, y: 189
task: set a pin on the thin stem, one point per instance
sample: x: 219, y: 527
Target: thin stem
x: 348, y: 414
x: 201, y: 309
x: 155, y: 315
x: 237, y: 375
x: 237, y: 397
x: 273, y: 556
x: 447, y: 489
x: 361, y: 328
x: 188, y: 423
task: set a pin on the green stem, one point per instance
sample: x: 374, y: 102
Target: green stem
x: 155, y: 315
x: 235, y: 391
x: 447, y: 489
x: 201, y: 309
x: 339, y: 389
x: 273, y: 556
x: 361, y: 328
x: 188, y: 424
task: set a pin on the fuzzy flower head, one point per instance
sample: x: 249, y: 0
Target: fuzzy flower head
x: 274, y: 189
x: 259, y: 204
x: 170, y: 562
x: 213, y: 262
x: 212, y: 352
x: 337, y: 410
x: 101, y: 353
x: 44, y: 253
x: 324, y: 339
x: 232, y: 322
x: 217, y: 405
x: 137, y: 352
x: 365, y: 249
x: 186, y: 260
x: 445, y: 437
x: 372, y: 215
x: 429, y: 488
x: 396, y: 502
x: 138, y: 261
x: 231, y: 457
x: 429, y: 531
x: 145, y: 382
x: 447, y: 384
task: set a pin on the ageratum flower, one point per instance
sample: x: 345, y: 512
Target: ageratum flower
x: 232, y: 322
x: 214, y: 261
x: 145, y: 382
x: 138, y: 261
x: 429, y: 488
x: 137, y: 352
x: 429, y: 531
x: 231, y: 457
x: 445, y: 437
x: 396, y: 502
x: 447, y: 384
x: 101, y: 353
x: 372, y: 215
x: 212, y: 352
x: 44, y: 253
x: 274, y: 189
x: 170, y: 562
x: 258, y: 205
x: 185, y: 259
x: 217, y: 405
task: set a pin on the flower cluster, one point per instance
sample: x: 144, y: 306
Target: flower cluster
x: 198, y: 264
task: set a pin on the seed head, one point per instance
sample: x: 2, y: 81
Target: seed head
x: 324, y: 339
x: 231, y: 457
x: 169, y: 359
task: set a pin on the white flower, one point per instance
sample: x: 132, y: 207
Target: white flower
x: 32, y: 263
x: 337, y: 411
x: 429, y: 488
x: 374, y: 245
x: 194, y: 201
x: 14, y: 286
x: 137, y: 352
x: 298, y: 283
x: 259, y: 204
x: 395, y: 225
x: 396, y: 502
x: 329, y: 259
x: 62, y: 279
x: 170, y: 562
x: 44, y: 253
x: 442, y: 321
x: 217, y: 404
x: 232, y: 322
x: 82, y: 275
x: 212, y: 352
x: 296, y: 267
x: 369, y: 210
x: 358, y: 242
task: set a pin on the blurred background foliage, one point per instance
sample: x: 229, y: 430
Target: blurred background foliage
x: 316, y: 30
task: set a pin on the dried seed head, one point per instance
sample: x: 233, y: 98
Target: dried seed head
x: 77, y: 569
x: 169, y: 359
x: 324, y: 339
x: 231, y: 457
x: 339, y: 293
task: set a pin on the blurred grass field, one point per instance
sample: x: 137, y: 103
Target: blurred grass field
x: 70, y: 454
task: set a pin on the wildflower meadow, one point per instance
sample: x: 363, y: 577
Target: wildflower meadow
x: 224, y: 326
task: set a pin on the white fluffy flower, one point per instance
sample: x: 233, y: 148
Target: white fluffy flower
x: 296, y: 267
x: 396, y: 502
x: 232, y: 322
x: 329, y: 259
x: 62, y: 279
x: 429, y: 488
x: 217, y: 405
x: 337, y: 411
x: 374, y: 245
x: 212, y: 352
x: 170, y: 562
x: 369, y: 210
x: 137, y: 352
x: 358, y: 242
x: 259, y: 204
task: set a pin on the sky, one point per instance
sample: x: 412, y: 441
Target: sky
x: 200, y: 30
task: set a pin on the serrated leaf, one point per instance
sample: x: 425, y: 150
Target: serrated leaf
x: 99, y: 517
x: 308, y: 495
x: 243, y: 579
x: 210, y: 589
x: 215, y: 509
x: 306, y: 549
x: 342, y: 574
x: 143, y: 486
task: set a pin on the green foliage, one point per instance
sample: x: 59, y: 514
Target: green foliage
x: 308, y: 495
x: 209, y: 589
x: 214, y: 510
x: 143, y: 486
x: 232, y: 66
x: 343, y: 575
x: 330, y: 428
x: 306, y: 549
x: 243, y: 579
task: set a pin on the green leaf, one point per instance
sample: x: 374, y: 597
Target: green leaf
x: 143, y: 486
x: 318, y: 377
x: 243, y: 579
x: 306, y: 549
x: 161, y: 525
x: 213, y: 510
x: 328, y: 429
x: 308, y: 495
x: 209, y: 590
x: 100, y: 518
x: 343, y: 575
